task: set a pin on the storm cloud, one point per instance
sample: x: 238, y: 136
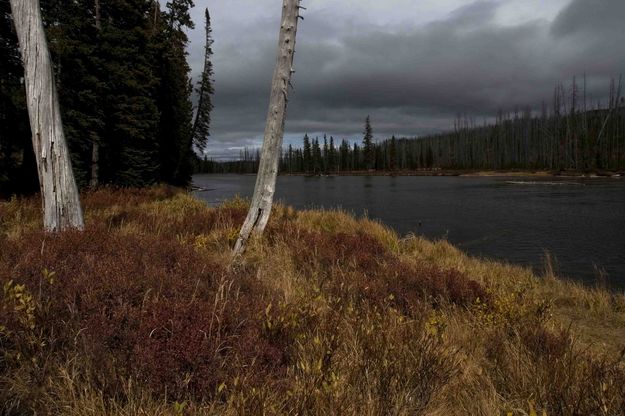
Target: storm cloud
x: 412, y: 66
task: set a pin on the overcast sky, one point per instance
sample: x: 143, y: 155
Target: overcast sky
x: 412, y: 65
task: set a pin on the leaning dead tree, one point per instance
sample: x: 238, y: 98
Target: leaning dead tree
x: 264, y: 190
x: 59, y: 193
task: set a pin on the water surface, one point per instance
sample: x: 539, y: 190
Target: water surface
x: 580, y: 221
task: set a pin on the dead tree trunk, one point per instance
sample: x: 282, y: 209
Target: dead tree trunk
x: 264, y: 190
x: 59, y: 193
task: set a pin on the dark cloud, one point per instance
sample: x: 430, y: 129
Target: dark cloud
x: 593, y: 18
x: 411, y: 79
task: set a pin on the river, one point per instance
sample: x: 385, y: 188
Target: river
x: 581, y: 222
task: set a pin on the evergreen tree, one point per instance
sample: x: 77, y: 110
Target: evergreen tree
x: 367, y: 144
x: 205, y: 90
x: 325, y: 155
x: 393, y: 154
x: 344, y: 156
x: 332, y: 156
x: 107, y: 57
x: 175, y: 136
x: 130, y: 54
x: 290, y: 160
x: 356, y: 158
x: 429, y: 158
x: 378, y: 159
x: 75, y: 40
x: 316, y: 156
x: 307, y: 155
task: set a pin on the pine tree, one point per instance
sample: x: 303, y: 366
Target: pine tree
x: 367, y: 144
x: 74, y: 46
x: 344, y: 156
x: 393, y: 154
x: 332, y: 156
x: 175, y: 136
x: 290, y: 159
x: 429, y: 158
x: 307, y: 156
x: 325, y: 155
x: 205, y: 91
x: 356, y: 157
x: 130, y: 55
x: 316, y: 156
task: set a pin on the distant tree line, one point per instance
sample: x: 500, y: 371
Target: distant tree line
x: 125, y: 93
x: 568, y: 135
x: 247, y: 163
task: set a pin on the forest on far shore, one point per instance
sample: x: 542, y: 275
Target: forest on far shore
x: 568, y: 135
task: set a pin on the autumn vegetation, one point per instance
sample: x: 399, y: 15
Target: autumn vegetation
x: 142, y: 314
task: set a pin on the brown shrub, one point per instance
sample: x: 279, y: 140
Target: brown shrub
x: 357, y: 252
x: 185, y: 350
x: 360, y: 264
x: 410, y: 282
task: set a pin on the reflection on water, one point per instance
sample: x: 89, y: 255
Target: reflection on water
x: 582, y: 223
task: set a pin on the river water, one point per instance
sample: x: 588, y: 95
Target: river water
x: 581, y: 222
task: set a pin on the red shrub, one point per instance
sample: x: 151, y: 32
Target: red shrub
x: 358, y: 252
x: 144, y: 306
x: 359, y: 262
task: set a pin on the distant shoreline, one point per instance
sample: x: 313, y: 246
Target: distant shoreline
x: 475, y: 173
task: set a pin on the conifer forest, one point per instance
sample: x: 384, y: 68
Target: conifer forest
x: 125, y: 92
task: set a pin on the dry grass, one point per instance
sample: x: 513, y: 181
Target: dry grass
x: 142, y: 315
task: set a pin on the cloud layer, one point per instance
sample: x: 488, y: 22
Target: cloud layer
x: 412, y: 66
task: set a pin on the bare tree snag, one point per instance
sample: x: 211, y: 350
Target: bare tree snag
x: 262, y: 201
x: 59, y: 193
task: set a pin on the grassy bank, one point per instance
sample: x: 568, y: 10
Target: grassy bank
x: 142, y: 315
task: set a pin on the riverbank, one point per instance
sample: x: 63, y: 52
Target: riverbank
x: 327, y: 314
x: 475, y: 173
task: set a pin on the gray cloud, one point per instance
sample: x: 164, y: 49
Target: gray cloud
x: 592, y: 18
x: 412, y: 78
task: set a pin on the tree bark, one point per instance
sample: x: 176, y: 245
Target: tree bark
x: 262, y: 201
x: 61, y: 203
